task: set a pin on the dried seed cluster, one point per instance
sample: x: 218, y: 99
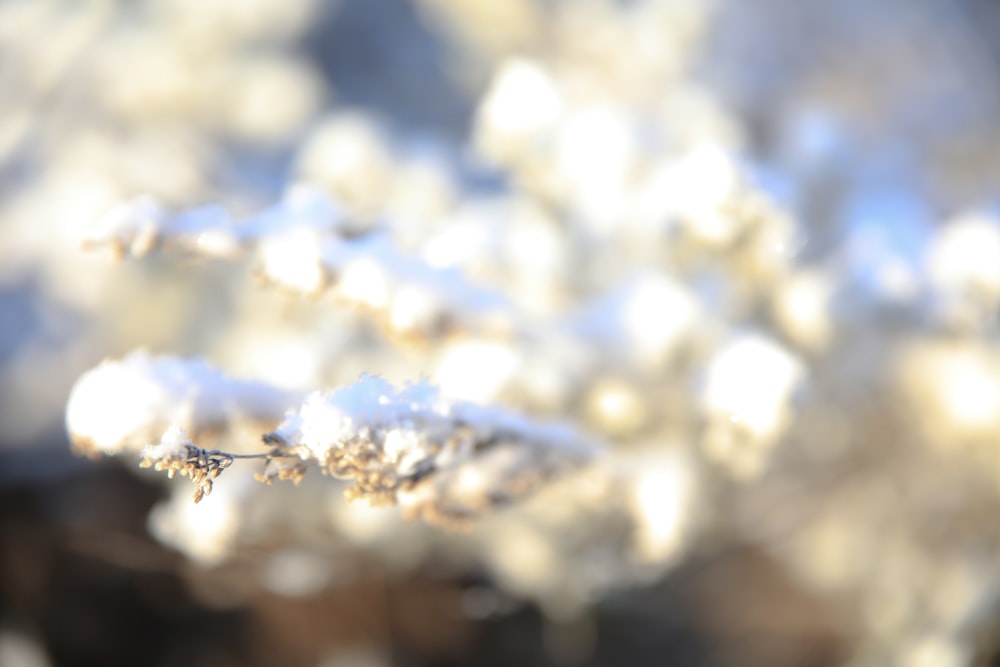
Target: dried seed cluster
x: 178, y: 455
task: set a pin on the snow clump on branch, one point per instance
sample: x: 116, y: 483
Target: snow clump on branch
x: 440, y: 459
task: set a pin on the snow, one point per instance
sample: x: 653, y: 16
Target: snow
x: 173, y: 445
x: 437, y: 457
x: 126, y: 404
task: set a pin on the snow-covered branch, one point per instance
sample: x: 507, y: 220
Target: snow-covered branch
x: 306, y: 244
x: 440, y: 459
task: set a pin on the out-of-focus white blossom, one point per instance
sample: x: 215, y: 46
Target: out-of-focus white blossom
x: 205, y: 532
x: 699, y: 185
x: 953, y: 391
x: 963, y: 267
x: 349, y: 157
x: 616, y: 407
x: 802, y: 306
x: 521, y: 105
x: 293, y: 260
x: 746, y: 400
x: 256, y: 82
x: 495, y: 363
x: 662, y: 502
x: 648, y: 320
x: 510, y: 241
x: 593, y: 153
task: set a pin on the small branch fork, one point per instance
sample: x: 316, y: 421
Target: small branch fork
x: 203, y: 466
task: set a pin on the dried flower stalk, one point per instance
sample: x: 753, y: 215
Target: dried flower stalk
x: 178, y: 455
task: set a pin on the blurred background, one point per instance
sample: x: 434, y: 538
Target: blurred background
x: 757, y: 244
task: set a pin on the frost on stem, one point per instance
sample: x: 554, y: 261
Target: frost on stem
x: 445, y: 461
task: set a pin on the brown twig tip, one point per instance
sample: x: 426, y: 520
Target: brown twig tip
x: 177, y: 455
